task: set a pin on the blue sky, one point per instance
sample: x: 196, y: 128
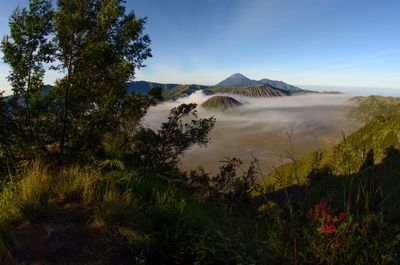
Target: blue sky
x: 334, y: 43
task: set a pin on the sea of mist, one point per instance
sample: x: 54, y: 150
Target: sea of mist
x: 264, y: 128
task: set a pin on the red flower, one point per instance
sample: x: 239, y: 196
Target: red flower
x: 328, y: 229
x: 327, y: 218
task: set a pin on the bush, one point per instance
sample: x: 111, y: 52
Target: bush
x: 227, y: 184
x: 162, y: 149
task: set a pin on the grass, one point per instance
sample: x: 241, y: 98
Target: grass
x: 152, y: 220
x: 153, y: 217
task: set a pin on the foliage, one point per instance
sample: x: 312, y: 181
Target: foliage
x: 227, y: 184
x: 160, y: 221
x: 99, y: 46
x: 26, y: 50
x: 162, y: 149
x: 326, y: 236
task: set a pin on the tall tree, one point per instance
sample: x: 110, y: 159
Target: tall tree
x: 26, y: 49
x: 100, y: 47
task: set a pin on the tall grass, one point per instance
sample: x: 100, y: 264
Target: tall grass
x: 34, y: 190
x: 160, y: 222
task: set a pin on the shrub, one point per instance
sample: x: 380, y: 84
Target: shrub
x: 162, y: 149
x: 232, y: 187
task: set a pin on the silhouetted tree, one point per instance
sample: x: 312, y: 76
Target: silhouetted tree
x: 26, y: 49
x: 369, y: 160
x: 163, y: 148
x: 100, y: 47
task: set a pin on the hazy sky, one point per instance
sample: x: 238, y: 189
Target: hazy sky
x: 347, y: 43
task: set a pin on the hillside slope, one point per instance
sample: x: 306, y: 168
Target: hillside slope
x: 367, y: 108
x: 281, y: 85
x: 184, y: 90
x: 221, y: 103
x: 259, y: 91
x: 371, y: 142
x: 369, y: 155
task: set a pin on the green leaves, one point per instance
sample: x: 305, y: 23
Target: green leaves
x: 26, y: 50
x: 162, y: 149
x: 100, y: 47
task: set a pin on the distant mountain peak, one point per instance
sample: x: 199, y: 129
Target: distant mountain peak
x: 237, y: 79
x: 238, y: 75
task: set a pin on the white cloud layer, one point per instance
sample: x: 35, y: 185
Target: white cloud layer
x: 260, y: 127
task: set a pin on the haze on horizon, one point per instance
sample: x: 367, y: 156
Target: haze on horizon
x: 310, y: 43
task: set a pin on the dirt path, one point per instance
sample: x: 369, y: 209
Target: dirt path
x: 69, y: 235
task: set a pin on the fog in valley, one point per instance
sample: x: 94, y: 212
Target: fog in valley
x: 264, y: 128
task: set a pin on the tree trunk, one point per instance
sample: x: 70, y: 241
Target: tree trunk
x: 65, y: 111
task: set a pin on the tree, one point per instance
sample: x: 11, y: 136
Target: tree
x: 100, y: 47
x: 162, y: 149
x: 26, y: 49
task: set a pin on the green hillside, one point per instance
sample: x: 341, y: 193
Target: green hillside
x: 367, y: 108
x: 371, y: 141
x: 182, y: 90
x: 371, y: 152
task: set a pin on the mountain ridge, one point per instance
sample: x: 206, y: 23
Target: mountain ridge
x: 238, y: 81
x: 252, y: 91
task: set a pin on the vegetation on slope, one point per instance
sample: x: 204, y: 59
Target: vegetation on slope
x: 378, y: 135
x: 367, y: 108
x: 221, y: 103
x: 352, y: 186
x: 108, y: 214
x: 369, y: 144
x: 369, y: 153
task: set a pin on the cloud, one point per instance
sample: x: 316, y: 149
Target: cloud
x: 260, y: 127
x: 265, y: 112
